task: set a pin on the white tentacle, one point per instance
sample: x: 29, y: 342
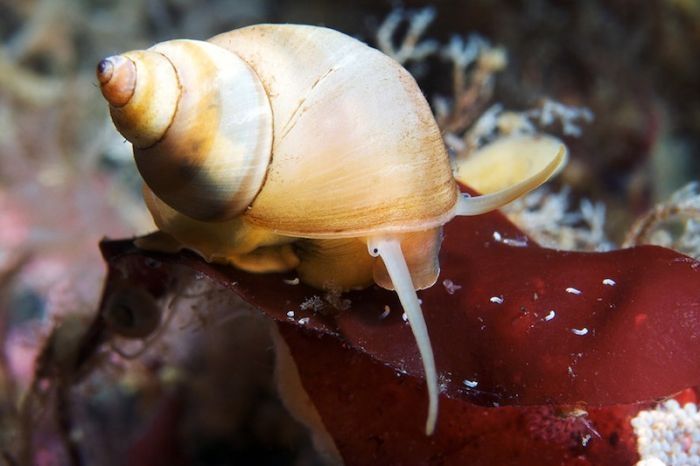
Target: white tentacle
x: 389, y: 249
x: 477, y: 205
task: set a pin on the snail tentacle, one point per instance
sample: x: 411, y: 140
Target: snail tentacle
x: 389, y: 249
x: 477, y: 205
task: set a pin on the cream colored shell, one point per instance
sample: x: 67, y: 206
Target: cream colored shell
x: 356, y: 150
x: 213, y: 157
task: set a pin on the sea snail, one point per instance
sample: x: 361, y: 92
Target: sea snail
x: 289, y: 147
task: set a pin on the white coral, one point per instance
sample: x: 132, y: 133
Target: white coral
x: 660, y: 225
x: 668, y: 435
x: 569, y: 116
x: 410, y: 48
x: 548, y: 218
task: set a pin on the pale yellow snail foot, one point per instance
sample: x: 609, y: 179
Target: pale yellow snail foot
x: 266, y: 259
x: 537, y: 167
x: 507, y: 161
x: 210, y: 239
x: 339, y: 265
x: 420, y: 251
x: 234, y: 241
x: 342, y: 264
x: 389, y: 249
x: 158, y: 241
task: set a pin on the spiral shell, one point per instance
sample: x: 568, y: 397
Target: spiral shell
x: 200, y: 122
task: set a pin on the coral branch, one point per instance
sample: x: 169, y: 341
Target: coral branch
x: 474, y: 64
x: 683, y: 208
x: 410, y: 48
x: 549, y: 219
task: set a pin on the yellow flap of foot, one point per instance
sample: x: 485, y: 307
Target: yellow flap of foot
x: 509, y: 160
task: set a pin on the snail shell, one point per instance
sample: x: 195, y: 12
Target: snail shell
x: 215, y: 114
x: 210, y: 152
x: 282, y: 147
x: 381, y: 128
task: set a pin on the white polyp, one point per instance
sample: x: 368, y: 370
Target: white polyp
x: 389, y: 249
x: 477, y: 205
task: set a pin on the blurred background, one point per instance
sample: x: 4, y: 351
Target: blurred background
x: 67, y: 178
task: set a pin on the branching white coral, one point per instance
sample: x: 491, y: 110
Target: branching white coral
x: 547, y: 217
x: 484, y: 128
x: 689, y: 241
x: 687, y: 197
x: 569, y: 116
x: 463, y: 53
x: 410, y: 48
x: 660, y: 223
x: 474, y: 50
x: 496, y: 122
x: 474, y: 63
x: 668, y: 435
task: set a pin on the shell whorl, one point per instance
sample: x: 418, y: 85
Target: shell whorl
x: 130, y: 83
x: 356, y: 149
x: 200, y: 123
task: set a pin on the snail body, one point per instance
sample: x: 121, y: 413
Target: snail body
x: 289, y: 147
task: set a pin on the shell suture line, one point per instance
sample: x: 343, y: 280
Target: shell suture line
x: 294, y: 118
x: 299, y: 110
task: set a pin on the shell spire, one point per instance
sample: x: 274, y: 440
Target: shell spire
x: 200, y: 123
x: 130, y: 82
